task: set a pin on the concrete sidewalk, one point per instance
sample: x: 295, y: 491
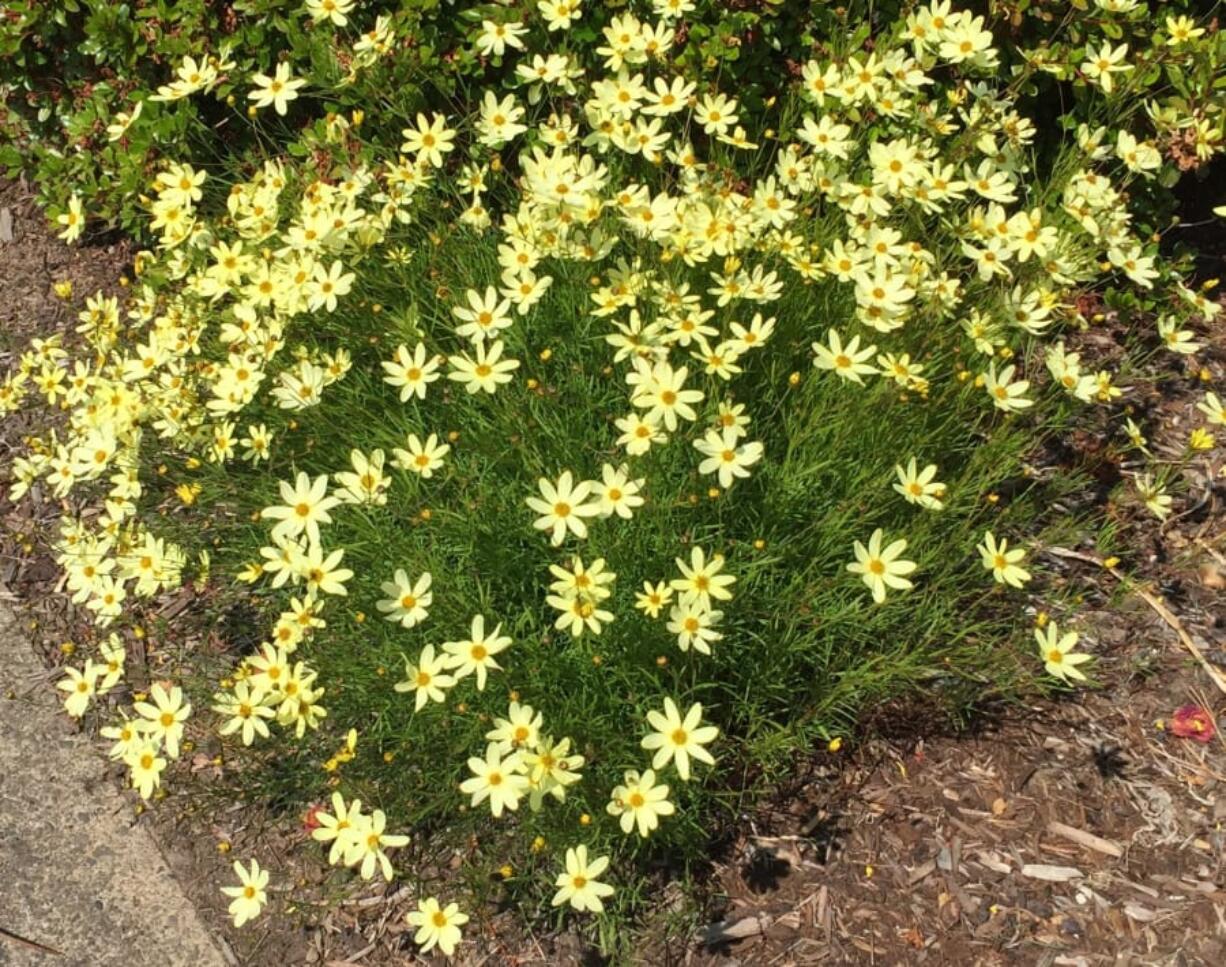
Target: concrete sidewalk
x: 80, y: 886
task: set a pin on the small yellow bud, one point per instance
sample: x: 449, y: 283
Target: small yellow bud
x: 1111, y: 561
x: 585, y: 820
x: 759, y: 544
x: 223, y: 847
x: 360, y: 617
x: 538, y: 844
x: 835, y: 744
x: 1040, y: 619
x: 506, y: 872
x: 67, y: 648
x: 597, y: 660
x: 425, y: 513
x: 389, y: 757
x: 794, y: 379
x: 662, y: 660
x: 546, y: 355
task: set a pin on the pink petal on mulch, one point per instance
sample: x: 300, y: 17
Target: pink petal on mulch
x: 1193, y: 722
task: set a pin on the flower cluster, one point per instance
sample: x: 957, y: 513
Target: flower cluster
x: 596, y: 287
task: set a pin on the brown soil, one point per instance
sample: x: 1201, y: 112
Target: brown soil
x: 1079, y: 831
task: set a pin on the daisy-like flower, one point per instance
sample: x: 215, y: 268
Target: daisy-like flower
x: 72, y: 220
x: 367, y: 848
x: 616, y: 493
x: 678, y: 739
x: 145, y: 767
x: 249, y: 897
x: 919, y: 486
x: 499, y: 779
x: 126, y: 735
x: 727, y: 456
x: 1153, y: 492
x: 660, y: 390
x: 1006, y: 394
x: 495, y: 38
x: 694, y: 626
x: 305, y: 505
x: 639, y: 433
x: 1101, y: 64
x: 421, y: 458
x: 848, y: 361
x: 323, y: 574
x: 1181, y: 341
x: 551, y: 767
x: 430, y: 140
x: 411, y: 372
x: 702, y: 581
x: 246, y: 712
x: 652, y: 599
x: 341, y: 827
x: 123, y: 121
x: 1003, y: 562
x: 640, y: 801
x: 578, y: 614
x: 427, y: 678
x: 277, y: 90
x: 1213, y: 409
x: 328, y: 285
x: 407, y: 601
x: 486, y: 372
x: 579, y: 885
x: 582, y: 580
x: 881, y: 569
x: 1056, y: 652
x: 484, y: 317
x: 562, y: 507
x: 366, y: 483
x: 560, y: 14
x: 164, y: 717
x: 475, y: 654
x: 519, y: 730
x: 332, y: 10
x: 79, y: 687
x: 436, y: 925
